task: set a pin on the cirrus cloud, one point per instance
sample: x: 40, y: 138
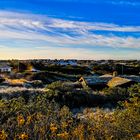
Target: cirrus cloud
x: 30, y: 27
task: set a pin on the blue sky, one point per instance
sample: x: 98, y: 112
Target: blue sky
x: 70, y: 29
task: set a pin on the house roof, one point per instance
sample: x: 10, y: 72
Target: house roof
x: 132, y: 77
x: 96, y: 80
x: 117, y: 81
x: 106, y: 75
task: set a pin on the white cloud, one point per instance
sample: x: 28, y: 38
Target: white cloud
x: 126, y: 2
x: 24, y: 26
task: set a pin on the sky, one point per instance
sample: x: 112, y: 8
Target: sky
x: 70, y: 29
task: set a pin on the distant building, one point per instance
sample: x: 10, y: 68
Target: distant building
x: 66, y: 62
x: 5, y: 68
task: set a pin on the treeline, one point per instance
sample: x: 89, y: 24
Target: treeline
x: 121, y: 69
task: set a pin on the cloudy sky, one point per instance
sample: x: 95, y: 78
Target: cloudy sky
x: 77, y: 29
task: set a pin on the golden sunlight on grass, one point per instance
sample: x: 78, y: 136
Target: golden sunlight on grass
x: 16, y: 81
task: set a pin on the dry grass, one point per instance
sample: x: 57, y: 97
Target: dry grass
x: 16, y: 81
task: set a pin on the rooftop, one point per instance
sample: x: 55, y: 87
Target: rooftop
x: 117, y: 81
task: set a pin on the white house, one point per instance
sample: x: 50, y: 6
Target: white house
x: 34, y: 70
x: 5, y: 69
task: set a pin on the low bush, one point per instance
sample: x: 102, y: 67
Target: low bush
x: 41, y: 119
x: 34, y: 114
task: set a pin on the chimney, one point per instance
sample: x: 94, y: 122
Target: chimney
x: 115, y: 73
